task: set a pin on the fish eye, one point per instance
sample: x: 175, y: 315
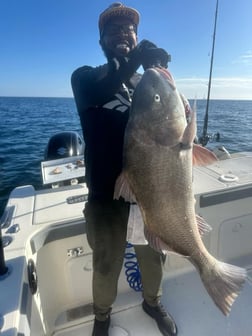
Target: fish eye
x: 157, y: 98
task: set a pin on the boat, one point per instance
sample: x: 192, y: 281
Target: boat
x: 46, y: 262
x: 46, y: 272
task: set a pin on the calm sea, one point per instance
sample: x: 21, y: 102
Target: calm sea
x: 28, y: 123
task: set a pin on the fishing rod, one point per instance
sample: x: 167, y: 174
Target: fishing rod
x: 205, y: 137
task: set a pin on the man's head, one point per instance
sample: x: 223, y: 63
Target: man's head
x: 118, y: 30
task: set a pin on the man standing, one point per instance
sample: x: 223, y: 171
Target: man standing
x: 103, y: 98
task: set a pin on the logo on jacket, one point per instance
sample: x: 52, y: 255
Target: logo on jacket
x: 121, y: 101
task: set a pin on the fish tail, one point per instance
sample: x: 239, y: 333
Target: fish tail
x: 224, y: 283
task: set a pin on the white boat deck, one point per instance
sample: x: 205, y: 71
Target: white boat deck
x: 187, y: 301
x: 51, y: 226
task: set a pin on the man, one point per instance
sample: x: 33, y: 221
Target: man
x: 103, y: 98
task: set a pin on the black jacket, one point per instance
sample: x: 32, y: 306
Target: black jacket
x: 103, y: 98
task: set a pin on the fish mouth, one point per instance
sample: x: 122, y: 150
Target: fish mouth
x: 166, y: 75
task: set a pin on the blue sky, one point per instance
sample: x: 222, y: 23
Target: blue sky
x: 43, y: 41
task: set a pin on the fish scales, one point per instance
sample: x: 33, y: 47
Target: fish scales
x: 161, y: 200
x: 157, y: 168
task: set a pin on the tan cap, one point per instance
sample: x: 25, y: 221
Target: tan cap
x: 117, y: 9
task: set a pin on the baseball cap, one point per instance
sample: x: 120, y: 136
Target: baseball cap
x: 115, y: 10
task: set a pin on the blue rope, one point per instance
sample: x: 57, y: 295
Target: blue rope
x: 132, y: 271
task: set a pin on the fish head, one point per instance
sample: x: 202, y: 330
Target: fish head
x: 157, y: 108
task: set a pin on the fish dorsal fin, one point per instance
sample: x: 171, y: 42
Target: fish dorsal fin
x: 203, y: 156
x: 122, y: 189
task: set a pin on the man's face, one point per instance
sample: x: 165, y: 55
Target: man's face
x: 118, y: 38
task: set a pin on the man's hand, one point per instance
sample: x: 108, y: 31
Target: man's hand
x: 155, y: 57
x: 149, y: 55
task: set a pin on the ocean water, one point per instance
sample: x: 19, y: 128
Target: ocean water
x: 28, y: 123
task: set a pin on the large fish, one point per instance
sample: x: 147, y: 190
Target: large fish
x: 157, y: 170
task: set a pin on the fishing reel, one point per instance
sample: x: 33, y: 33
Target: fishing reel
x: 205, y: 138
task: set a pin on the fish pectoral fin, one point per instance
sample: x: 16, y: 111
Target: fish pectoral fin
x: 203, y: 156
x: 122, y: 189
x: 203, y: 226
x: 158, y: 244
